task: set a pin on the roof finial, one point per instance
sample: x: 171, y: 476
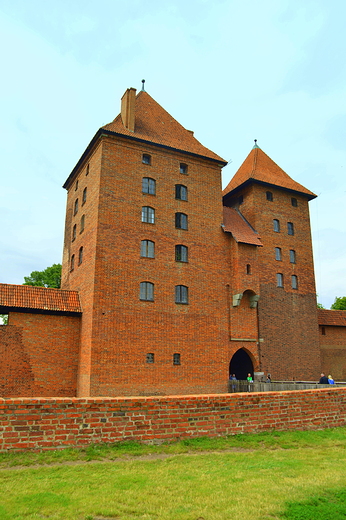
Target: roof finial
x: 255, y: 145
x: 143, y: 81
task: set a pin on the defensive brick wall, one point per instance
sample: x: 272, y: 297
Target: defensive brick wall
x: 65, y: 422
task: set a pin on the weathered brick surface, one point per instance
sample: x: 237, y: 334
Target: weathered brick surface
x: 32, y: 424
x: 333, y: 351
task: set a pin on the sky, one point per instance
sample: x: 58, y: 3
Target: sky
x: 230, y: 70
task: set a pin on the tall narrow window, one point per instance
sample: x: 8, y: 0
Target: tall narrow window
x: 278, y: 253
x: 148, y: 186
x: 87, y: 170
x: 80, y: 255
x: 84, y: 196
x: 150, y: 357
x: 279, y: 279
x: 148, y: 249
x: 183, y: 168
x: 72, y: 263
x: 276, y: 225
x: 181, y: 294
x: 76, y: 186
x: 146, y: 159
x: 269, y: 195
x: 181, y: 253
x: 75, y: 208
x: 82, y: 223
x: 180, y: 192
x: 292, y: 256
x: 294, y: 280
x: 294, y: 202
x: 146, y: 291
x: 248, y: 269
x: 148, y: 215
x: 176, y: 359
x: 74, y: 232
x: 323, y: 331
x: 181, y: 221
x: 290, y: 228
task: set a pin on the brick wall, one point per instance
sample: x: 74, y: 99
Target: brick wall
x: 57, y: 423
x: 333, y: 351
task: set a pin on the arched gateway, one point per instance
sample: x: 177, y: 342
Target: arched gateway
x: 241, y: 364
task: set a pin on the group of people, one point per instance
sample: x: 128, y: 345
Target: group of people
x: 324, y: 380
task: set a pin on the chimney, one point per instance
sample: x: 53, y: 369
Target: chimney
x: 128, y: 109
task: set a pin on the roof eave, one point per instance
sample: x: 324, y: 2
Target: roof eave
x: 310, y: 196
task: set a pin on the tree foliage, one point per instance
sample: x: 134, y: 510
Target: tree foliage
x: 339, y: 304
x: 4, y: 319
x: 320, y: 306
x: 50, y: 277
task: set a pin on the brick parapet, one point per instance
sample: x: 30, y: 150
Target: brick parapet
x: 51, y: 423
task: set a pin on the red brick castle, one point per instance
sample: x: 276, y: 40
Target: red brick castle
x: 168, y: 284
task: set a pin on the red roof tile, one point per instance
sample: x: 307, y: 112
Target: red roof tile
x: 155, y: 125
x: 330, y: 317
x: 258, y: 166
x: 238, y: 226
x: 30, y: 297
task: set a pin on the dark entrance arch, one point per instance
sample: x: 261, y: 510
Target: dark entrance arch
x: 241, y: 364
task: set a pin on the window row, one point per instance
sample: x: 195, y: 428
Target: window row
x: 80, y: 259
x: 150, y: 358
x: 74, y: 229
x: 269, y: 196
x: 147, y: 159
x: 148, y: 251
x: 86, y: 173
x: 280, y: 280
x: 149, y: 187
x: 276, y: 226
x: 76, y: 202
x: 148, y: 216
x: 146, y: 292
x: 278, y: 255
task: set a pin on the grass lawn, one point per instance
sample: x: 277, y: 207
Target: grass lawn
x: 288, y: 475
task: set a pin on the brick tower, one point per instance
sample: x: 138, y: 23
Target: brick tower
x: 277, y: 208
x: 145, y: 249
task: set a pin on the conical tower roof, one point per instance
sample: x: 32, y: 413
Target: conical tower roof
x: 259, y: 167
x: 155, y: 125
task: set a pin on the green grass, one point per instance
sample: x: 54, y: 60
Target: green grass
x: 257, y: 477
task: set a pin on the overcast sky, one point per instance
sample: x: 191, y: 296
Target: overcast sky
x: 230, y: 70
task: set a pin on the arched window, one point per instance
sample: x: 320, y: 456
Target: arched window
x: 80, y: 255
x: 74, y: 232
x: 290, y: 228
x: 87, y: 170
x: 82, y: 223
x: 279, y: 279
x: 294, y: 202
x: 181, y: 220
x: 72, y: 263
x: 276, y: 225
x: 278, y: 255
x: 294, y: 280
x: 146, y: 291
x: 148, y: 186
x: 181, y: 294
x: 147, y: 249
x: 84, y: 198
x: 181, y: 253
x: 292, y: 256
x: 180, y: 192
x: 75, y: 208
x: 76, y: 186
x: 148, y: 214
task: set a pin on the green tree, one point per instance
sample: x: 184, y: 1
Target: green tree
x: 4, y: 319
x: 339, y: 304
x: 320, y: 306
x: 50, y: 277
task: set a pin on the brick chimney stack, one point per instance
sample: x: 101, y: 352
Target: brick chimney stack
x: 128, y: 109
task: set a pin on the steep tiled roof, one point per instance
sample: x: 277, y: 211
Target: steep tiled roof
x: 330, y: 317
x: 155, y: 125
x: 40, y: 298
x: 258, y: 166
x: 238, y: 226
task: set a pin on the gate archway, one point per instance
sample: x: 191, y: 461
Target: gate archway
x: 241, y: 364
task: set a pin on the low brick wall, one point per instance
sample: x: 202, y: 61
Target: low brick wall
x: 61, y: 422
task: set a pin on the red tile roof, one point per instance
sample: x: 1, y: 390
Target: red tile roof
x: 330, y: 317
x: 155, y: 125
x: 258, y: 166
x: 238, y: 226
x: 30, y: 297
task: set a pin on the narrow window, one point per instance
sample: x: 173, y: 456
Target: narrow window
x: 248, y: 269
x: 292, y: 256
x: 87, y: 170
x: 80, y: 255
x: 76, y: 186
x: 269, y: 195
x: 148, y: 186
x: 183, y: 168
x: 75, y: 209
x: 323, y: 331
x: 176, y: 359
x: 181, y: 294
x: 279, y: 279
x: 146, y: 159
x: 278, y: 253
x: 180, y: 192
x: 74, y: 232
x: 82, y: 223
x: 181, y: 221
x: 148, y: 214
x: 276, y: 225
x: 294, y: 280
x: 290, y: 228
x: 72, y: 263
x: 84, y: 196
x: 150, y: 357
x: 294, y: 202
x: 146, y: 291
x: 148, y: 249
x: 181, y: 253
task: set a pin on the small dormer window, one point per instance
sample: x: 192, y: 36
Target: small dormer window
x: 146, y: 159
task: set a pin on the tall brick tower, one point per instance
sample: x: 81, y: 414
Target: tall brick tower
x: 277, y: 208
x: 144, y: 247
